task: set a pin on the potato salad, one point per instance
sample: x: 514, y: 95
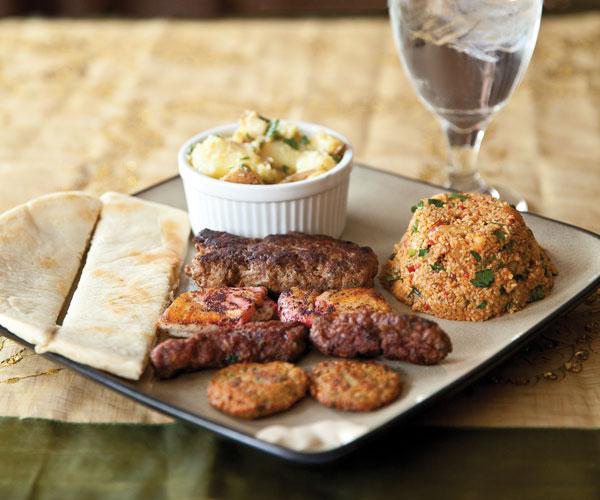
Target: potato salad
x: 266, y: 151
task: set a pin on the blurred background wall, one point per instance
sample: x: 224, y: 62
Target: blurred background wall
x: 216, y: 8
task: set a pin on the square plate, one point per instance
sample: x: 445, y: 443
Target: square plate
x: 379, y: 211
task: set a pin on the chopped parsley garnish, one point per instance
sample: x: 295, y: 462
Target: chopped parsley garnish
x: 500, y: 235
x: 272, y: 128
x: 415, y: 291
x: 244, y: 158
x: 537, y: 294
x: 437, y: 267
x: 476, y: 256
x: 304, y: 140
x: 509, y: 246
x: 415, y: 227
x: 435, y: 202
x: 502, y: 290
x: 411, y: 252
x: 483, y: 279
x: 190, y: 149
x: 337, y: 158
x: 459, y: 196
x: 482, y: 305
x: 392, y: 277
x: 423, y: 252
x: 286, y: 169
x: 245, y: 167
x: 292, y: 143
x: 413, y: 209
x: 264, y: 119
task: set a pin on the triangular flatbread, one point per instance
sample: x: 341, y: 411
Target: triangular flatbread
x: 41, y: 246
x: 131, y: 268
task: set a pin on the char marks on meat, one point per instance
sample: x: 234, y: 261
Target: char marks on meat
x: 281, y: 261
x: 369, y: 334
x: 257, y: 342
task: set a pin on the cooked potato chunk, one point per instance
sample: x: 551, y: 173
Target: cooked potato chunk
x: 280, y: 154
x: 327, y: 143
x: 216, y: 156
x: 314, y: 160
x: 242, y: 175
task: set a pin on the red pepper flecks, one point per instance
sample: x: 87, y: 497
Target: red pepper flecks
x: 410, y: 268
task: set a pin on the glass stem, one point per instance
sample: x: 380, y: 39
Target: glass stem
x: 463, y: 150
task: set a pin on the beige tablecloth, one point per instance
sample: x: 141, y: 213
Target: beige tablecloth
x: 99, y: 105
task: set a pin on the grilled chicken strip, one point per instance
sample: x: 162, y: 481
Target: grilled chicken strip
x: 281, y: 261
x: 302, y: 305
x: 258, y: 342
x: 367, y: 334
x: 208, y: 309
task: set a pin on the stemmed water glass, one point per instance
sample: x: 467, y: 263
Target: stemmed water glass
x: 465, y: 58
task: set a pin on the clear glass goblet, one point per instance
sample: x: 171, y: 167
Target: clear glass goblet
x: 465, y: 58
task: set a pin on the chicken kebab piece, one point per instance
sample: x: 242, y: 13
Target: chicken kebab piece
x: 210, y: 309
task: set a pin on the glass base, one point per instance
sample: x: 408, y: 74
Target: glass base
x: 475, y: 184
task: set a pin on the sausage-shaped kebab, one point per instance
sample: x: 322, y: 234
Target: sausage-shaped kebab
x: 257, y: 342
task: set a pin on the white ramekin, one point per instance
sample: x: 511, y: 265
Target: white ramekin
x: 316, y: 206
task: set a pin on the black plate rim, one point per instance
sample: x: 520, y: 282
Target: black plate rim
x: 322, y: 457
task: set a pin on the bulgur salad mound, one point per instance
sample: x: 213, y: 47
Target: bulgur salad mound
x: 467, y: 257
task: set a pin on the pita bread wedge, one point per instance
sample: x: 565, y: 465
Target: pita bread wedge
x: 41, y: 246
x: 131, y: 268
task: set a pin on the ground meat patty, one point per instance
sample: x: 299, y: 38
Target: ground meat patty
x: 467, y: 257
x: 354, y: 385
x: 258, y: 342
x: 253, y: 390
x: 366, y: 334
x: 281, y: 261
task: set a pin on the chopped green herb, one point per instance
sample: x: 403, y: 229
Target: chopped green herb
x: 245, y: 167
x: 437, y: 267
x: 286, y: 169
x: 500, y: 235
x: 483, y: 279
x: 392, y: 256
x: 500, y: 265
x: 482, y: 305
x: 304, y: 140
x: 190, y: 149
x: 413, y: 209
x: 249, y: 137
x: 411, y: 252
x: 476, y: 256
x: 244, y: 158
x: 423, y: 252
x: 272, y: 128
x: 337, y: 158
x: 393, y: 277
x: 264, y: 119
x: 435, y: 202
x: 415, y: 291
x: 460, y: 196
x: 415, y: 228
x: 513, y: 206
x: 292, y: 143
x: 509, y: 246
x: 537, y: 294
x: 502, y: 290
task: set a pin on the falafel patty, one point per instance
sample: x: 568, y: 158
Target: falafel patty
x: 354, y: 385
x: 253, y: 390
x: 467, y: 257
